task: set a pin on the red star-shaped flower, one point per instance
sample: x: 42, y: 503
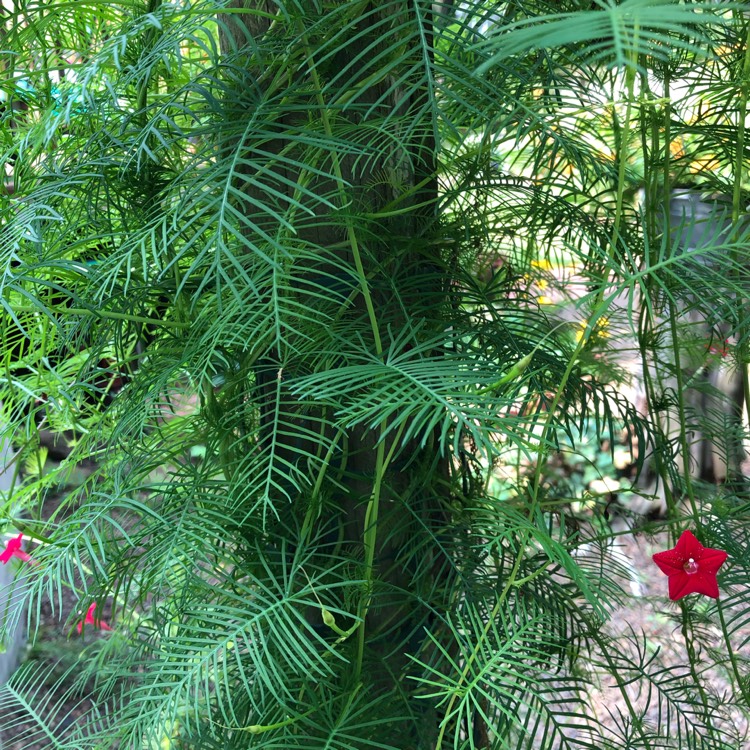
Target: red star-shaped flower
x: 691, y: 567
x: 91, y: 621
x: 13, y: 549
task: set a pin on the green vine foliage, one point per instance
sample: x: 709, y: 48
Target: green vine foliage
x: 266, y: 263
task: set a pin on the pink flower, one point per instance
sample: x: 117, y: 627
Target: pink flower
x: 13, y: 549
x: 691, y: 567
x: 89, y: 620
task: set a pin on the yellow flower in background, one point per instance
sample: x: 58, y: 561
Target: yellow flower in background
x: 722, y: 51
x: 706, y: 164
x: 600, y: 329
x: 540, y: 284
x: 677, y: 148
x: 542, y: 264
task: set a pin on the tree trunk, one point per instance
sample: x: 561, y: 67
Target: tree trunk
x: 374, y: 506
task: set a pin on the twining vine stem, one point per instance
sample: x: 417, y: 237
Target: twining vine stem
x: 370, y: 530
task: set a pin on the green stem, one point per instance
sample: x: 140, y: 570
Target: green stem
x: 692, y: 661
x: 313, y: 507
x: 106, y: 315
x: 351, y: 233
x: 622, y: 155
x: 142, y: 100
x: 470, y: 661
x: 645, y: 326
x: 667, y: 159
x: 741, y: 683
x: 369, y: 541
x: 739, y: 171
x: 681, y: 413
x: 370, y: 532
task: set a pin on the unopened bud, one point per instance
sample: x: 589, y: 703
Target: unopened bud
x: 328, y: 617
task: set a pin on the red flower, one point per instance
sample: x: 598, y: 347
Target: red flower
x: 91, y: 621
x: 722, y: 350
x: 691, y: 567
x: 13, y: 549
